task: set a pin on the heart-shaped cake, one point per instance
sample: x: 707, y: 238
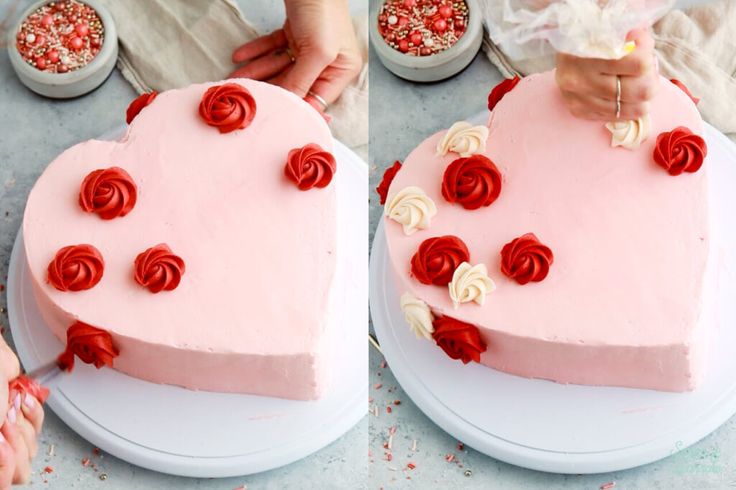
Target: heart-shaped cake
x: 553, y: 247
x: 202, y: 245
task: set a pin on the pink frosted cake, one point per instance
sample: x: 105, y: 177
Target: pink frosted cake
x: 558, y: 248
x: 200, y: 249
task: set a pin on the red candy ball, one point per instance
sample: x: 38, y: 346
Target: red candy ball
x: 440, y: 25
x: 47, y: 20
x: 40, y: 63
x: 76, y: 43
x: 403, y: 21
x: 53, y: 56
x: 82, y: 30
x: 445, y: 11
x: 403, y: 45
x: 416, y: 38
x: 410, y: 3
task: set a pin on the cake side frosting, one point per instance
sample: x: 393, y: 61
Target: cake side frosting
x: 249, y: 313
x: 622, y: 300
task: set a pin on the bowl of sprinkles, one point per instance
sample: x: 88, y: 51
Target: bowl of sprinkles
x: 426, y: 40
x: 63, y: 48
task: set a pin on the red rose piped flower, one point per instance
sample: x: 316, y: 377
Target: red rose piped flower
x: 500, y: 90
x: 90, y: 344
x: 310, y: 166
x: 680, y: 150
x: 684, y: 88
x: 473, y: 182
x: 458, y: 339
x: 25, y: 385
x: 526, y: 259
x: 76, y: 268
x: 110, y: 193
x: 227, y: 107
x: 437, y: 258
x: 388, y: 177
x: 138, y: 105
x: 159, y: 269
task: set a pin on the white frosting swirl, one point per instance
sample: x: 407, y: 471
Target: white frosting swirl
x: 412, y: 208
x: 470, y: 283
x: 417, y: 315
x: 629, y: 134
x: 463, y: 138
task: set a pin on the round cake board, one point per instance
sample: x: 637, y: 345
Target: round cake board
x: 576, y: 429
x: 205, y: 434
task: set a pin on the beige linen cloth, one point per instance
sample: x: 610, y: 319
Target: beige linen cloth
x: 696, y: 46
x: 172, y: 43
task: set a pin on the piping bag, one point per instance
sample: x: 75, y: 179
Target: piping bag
x: 527, y: 29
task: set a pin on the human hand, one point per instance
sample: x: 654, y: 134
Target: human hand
x: 588, y: 85
x: 316, y: 51
x: 21, y: 427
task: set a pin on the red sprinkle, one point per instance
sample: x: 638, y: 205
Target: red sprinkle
x: 450, y: 458
x: 460, y: 446
x: 397, y: 402
x: 608, y: 485
x: 60, y: 36
x: 422, y: 27
x: 85, y: 462
x: 378, y: 386
x: 411, y: 466
x: 388, y: 409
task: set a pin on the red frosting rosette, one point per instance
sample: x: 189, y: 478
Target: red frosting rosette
x: 437, y: 258
x: 310, y: 166
x: 159, y: 269
x: 76, y: 268
x: 388, y: 177
x: 25, y: 385
x: 110, y: 193
x: 458, y: 339
x: 90, y: 344
x: 472, y: 182
x: 525, y: 259
x: 227, y: 107
x: 500, y: 90
x: 138, y: 104
x: 684, y: 88
x: 680, y: 150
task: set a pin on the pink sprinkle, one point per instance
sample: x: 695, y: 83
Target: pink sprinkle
x: 411, y: 466
x: 85, y: 462
x: 378, y: 386
x: 383, y: 363
x: 389, y: 457
x: 48, y: 469
x: 450, y: 458
x: 460, y: 446
x: 608, y: 485
x: 392, y: 430
x: 388, y: 410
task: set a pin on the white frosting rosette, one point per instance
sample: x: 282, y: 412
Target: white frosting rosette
x: 464, y: 139
x: 629, y: 134
x: 412, y: 208
x: 470, y: 283
x: 418, y: 315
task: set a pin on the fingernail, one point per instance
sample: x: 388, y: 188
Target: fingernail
x: 16, y: 401
x: 12, y: 415
x: 29, y: 401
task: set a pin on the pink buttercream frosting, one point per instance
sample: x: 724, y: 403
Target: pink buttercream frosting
x: 250, y: 313
x: 622, y: 302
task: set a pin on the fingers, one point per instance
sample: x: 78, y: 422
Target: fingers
x: 332, y: 82
x: 33, y: 412
x: 638, y: 63
x: 264, y: 67
x: 9, y: 365
x: 260, y: 46
x: 597, y: 109
x: 10, y: 431
x: 7, y: 463
x: 307, y: 68
x: 29, y: 435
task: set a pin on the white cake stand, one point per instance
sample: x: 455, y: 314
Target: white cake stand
x: 203, y: 434
x: 570, y: 429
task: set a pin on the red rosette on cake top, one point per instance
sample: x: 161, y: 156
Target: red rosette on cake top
x: 388, y: 177
x: 227, y: 107
x: 684, y: 88
x: 500, y: 90
x: 310, y: 166
x: 680, y: 150
x: 76, y: 268
x: 138, y: 104
x: 159, y: 269
x: 109, y: 193
x: 90, y: 344
x: 437, y: 258
x: 25, y: 385
x: 473, y: 182
x: 525, y: 259
x: 458, y: 339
